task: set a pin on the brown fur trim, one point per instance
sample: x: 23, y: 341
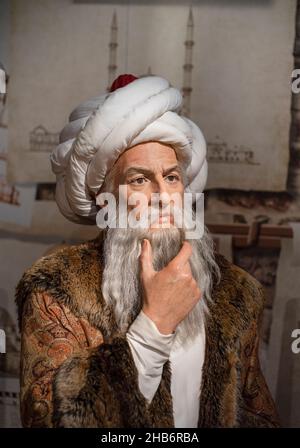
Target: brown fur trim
x: 101, y: 390
x: 72, y: 276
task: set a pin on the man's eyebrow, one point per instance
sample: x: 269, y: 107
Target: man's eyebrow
x: 145, y: 170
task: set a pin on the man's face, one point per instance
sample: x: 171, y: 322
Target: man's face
x: 149, y: 168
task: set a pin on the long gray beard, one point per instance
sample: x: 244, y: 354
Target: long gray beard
x: 121, y: 286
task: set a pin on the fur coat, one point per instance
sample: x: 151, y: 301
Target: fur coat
x: 77, y: 369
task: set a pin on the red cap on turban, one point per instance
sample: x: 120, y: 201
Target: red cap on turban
x: 122, y: 81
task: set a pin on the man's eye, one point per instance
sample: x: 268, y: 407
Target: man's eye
x: 172, y: 178
x: 137, y: 181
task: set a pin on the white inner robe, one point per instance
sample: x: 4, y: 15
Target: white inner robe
x: 151, y: 349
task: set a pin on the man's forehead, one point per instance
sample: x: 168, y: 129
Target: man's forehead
x: 164, y: 168
x: 150, y: 155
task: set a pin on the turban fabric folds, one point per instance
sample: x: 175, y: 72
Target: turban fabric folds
x: 136, y: 110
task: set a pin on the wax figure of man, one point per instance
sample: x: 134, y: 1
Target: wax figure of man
x: 138, y: 327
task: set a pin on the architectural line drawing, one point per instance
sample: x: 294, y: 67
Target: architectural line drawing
x: 41, y: 140
x: 293, y: 183
x: 113, y: 45
x: 219, y: 152
x: 188, y: 66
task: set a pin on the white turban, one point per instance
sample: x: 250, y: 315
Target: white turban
x: 101, y: 129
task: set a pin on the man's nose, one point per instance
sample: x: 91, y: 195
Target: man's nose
x: 159, y: 185
x: 160, y: 192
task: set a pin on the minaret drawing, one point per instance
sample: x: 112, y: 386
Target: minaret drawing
x: 293, y: 182
x: 188, y: 66
x: 113, y: 44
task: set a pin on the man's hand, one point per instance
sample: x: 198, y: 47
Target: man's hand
x: 170, y: 294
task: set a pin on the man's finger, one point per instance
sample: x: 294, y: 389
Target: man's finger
x: 183, y: 256
x: 146, y: 258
